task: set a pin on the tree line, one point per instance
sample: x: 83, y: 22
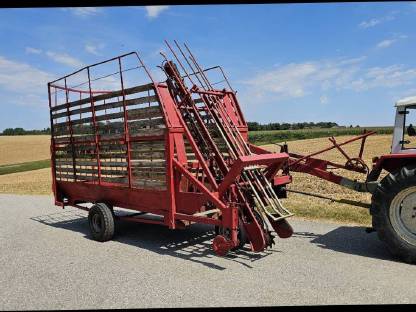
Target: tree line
x: 21, y: 131
x: 252, y: 126
x: 255, y: 126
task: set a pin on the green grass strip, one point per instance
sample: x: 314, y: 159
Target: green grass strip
x: 26, y: 166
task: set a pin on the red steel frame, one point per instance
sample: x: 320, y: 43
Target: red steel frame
x: 321, y: 167
x: 187, y: 198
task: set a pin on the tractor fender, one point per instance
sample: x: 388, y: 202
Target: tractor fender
x: 393, y: 162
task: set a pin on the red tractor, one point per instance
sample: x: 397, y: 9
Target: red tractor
x: 393, y: 202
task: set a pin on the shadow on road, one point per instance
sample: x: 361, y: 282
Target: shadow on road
x: 192, y: 243
x: 351, y: 240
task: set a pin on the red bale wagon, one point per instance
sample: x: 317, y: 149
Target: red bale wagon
x: 173, y: 153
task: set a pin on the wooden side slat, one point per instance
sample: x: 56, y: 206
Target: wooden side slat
x: 137, y: 113
x: 112, y: 105
x: 104, y: 96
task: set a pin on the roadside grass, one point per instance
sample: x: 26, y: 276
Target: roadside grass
x: 26, y: 166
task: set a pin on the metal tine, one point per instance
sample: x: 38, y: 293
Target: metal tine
x: 207, y: 82
x: 190, y: 66
x: 217, y: 152
x: 225, y: 122
x: 215, y: 99
x: 179, y: 62
x: 218, y: 106
x: 267, y: 192
x: 244, y: 145
x: 198, y: 67
x: 209, y: 174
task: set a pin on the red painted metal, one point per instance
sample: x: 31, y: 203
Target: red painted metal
x: 393, y: 162
x: 205, y: 185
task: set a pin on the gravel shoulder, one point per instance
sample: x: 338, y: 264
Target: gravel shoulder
x: 48, y: 261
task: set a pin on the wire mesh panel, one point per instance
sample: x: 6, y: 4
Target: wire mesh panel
x: 102, y: 123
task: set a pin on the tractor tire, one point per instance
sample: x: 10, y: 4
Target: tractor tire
x: 393, y: 210
x: 101, y: 222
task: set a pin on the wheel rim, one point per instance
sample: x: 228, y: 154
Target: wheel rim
x: 403, y: 214
x: 96, y: 223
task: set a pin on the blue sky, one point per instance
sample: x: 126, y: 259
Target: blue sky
x: 343, y: 62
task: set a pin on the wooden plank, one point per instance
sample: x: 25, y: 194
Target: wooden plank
x: 147, y: 155
x: 149, y: 184
x: 112, y: 155
x: 78, y: 139
x: 92, y: 171
x: 147, y: 163
x: 122, y: 180
x: 113, y: 164
x: 153, y: 123
x: 105, y: 96
x: 148, y: 145
x: 148, y: 132
x: 144, y: 112
x: 112, y: 105
x: 78, y: 163
x: 149, y: 176
x: 78, y: 177
x: 161, y: 170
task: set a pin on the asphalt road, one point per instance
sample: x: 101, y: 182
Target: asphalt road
x: 48, y: 261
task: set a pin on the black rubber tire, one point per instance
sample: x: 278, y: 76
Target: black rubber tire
x: 381, y: 200
x: 103, y: 214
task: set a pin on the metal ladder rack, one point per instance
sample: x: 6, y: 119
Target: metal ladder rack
x: 211, y: 126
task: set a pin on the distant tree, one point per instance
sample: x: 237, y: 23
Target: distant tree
x: 255, y: 126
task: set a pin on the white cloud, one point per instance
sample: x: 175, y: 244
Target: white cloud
x: 388, y: 42
x: 370, y: 23
x: 154, y: 11
x: 31, y: 50
x: 84, y: 11
x: 386, y: 77
x: 385, y: 43
x: 376, y: 21
x: 23, y: 84
x: 93, y: 48
x: 64, y: 59
x: 297, y: 80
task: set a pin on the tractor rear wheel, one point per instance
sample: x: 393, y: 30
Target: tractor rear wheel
x: 393, y: 212
x: 101, y: 222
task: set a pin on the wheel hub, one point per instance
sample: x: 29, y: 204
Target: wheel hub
x: 96, y: 223
x: 403, y: 214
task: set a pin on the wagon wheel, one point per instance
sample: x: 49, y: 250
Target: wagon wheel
x: 357, y: 164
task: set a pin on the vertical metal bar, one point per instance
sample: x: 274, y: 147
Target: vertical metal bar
x: 360, y: 154
x: 97, y: 147
x: 126, y: 127
x: 71, y: 132
x: 170, y: 179
x: 53, y: 147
